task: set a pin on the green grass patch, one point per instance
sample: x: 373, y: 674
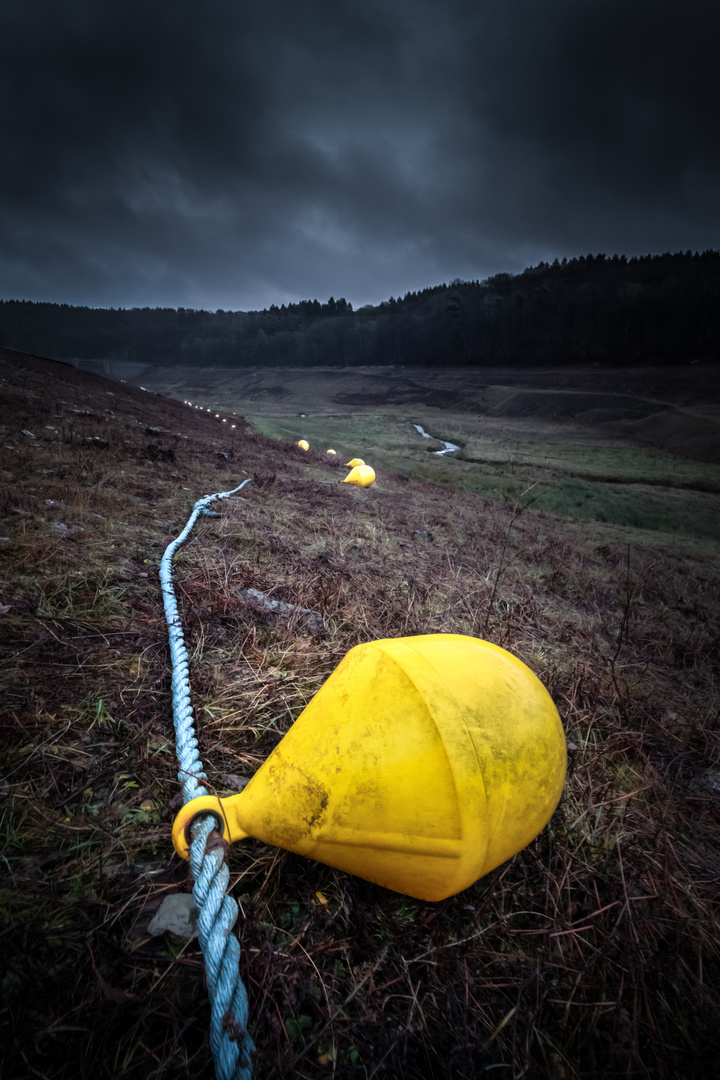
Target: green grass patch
x: 631, y: 486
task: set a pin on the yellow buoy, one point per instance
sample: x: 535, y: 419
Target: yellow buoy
x: 304, y: 444
x: 330, y: 451
x: 421, y: 764
x: 354, y: 461
x: 363, y: 475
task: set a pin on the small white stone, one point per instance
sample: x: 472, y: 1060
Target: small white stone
x: 177, y: 914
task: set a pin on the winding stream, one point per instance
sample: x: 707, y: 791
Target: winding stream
x: 449, y: 446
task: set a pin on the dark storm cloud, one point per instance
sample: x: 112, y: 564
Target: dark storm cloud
x: 235, y: 154
x: 612, y: 109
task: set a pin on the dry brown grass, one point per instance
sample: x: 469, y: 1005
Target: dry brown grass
x: 593, y: 953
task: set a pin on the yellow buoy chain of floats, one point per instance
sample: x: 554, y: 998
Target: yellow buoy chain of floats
x: 421, y: 764
x: 360, y: 473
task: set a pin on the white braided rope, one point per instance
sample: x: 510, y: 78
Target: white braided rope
x: 217, y: 912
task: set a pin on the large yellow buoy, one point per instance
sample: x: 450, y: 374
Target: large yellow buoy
x: 304, y: 444
x: 353, y: 462
x: 421, y: 764
x: 363, y: 475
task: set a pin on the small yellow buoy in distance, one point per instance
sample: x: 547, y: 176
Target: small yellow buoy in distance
x: 363, y: 475
x: 353, y: 462
x: 304, y: 444
x: 421, y: 764
x: 330, y: 451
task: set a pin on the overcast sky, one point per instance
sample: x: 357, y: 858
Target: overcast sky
x: 237, y: 153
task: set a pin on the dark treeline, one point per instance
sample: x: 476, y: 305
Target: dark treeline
x: 595, y: 308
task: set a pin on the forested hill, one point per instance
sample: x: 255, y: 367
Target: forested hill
x: 591, y: 309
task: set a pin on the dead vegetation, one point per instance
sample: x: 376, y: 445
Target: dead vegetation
x: 593, y: 953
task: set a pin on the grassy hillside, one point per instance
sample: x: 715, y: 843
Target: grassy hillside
x: 637, y: 449
x: 593, y: 953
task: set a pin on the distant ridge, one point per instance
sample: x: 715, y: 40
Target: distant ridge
x: 654, y: 309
